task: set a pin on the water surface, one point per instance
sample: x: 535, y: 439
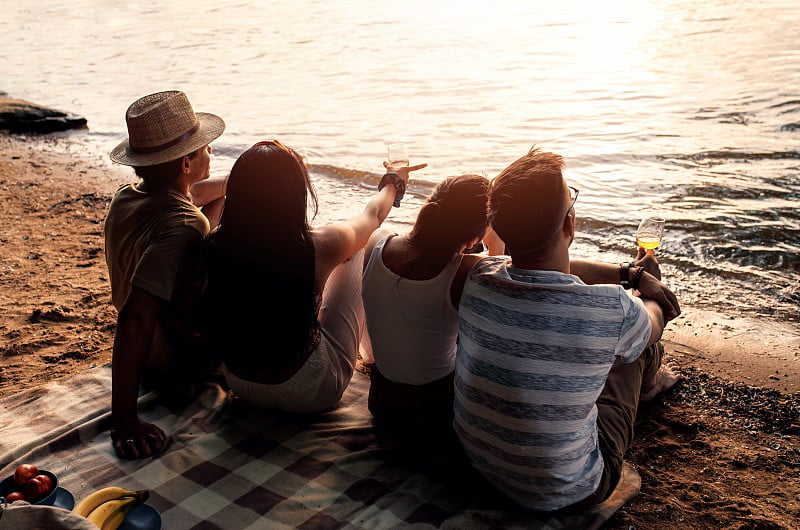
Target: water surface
x: 688, y: 108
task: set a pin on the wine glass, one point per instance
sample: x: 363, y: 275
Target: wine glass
x: 650, y: 233
x: 397, y: 154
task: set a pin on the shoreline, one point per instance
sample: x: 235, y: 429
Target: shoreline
x: 721, y: 449
x: 751, y: 351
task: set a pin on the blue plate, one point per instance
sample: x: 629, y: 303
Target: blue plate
x: 64, y: 499
x: 143, y: 517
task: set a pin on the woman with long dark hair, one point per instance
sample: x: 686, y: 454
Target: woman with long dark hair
x: 285, y: 298
x: 412, y: 288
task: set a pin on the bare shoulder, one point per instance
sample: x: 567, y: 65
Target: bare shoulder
x: 468, y: 262
x: 374, y: 239
x: 327, y: 239
x: 333, y: 244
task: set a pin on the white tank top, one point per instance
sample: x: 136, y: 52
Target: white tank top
x: 412, y: 324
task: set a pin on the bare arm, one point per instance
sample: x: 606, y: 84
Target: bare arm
x: 656, y: 320
x: 338, y: 241
x: 592, y: 272
x: 209, y: 196
x: 654, y: 290
x: 208, y: 190
x: 650, y: 285
x: 135, y: 328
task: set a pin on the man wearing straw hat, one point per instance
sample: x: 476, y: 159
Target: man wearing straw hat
x: 154, y: 232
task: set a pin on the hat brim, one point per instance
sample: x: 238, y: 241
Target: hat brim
x: 211, y: 127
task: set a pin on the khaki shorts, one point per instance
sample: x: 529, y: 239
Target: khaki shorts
x: 317, y: 385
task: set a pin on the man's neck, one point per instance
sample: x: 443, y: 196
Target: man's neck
x: 556, y: 261
x: 181, y: 186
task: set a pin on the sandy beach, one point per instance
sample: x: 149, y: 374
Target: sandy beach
x: 720, y: 450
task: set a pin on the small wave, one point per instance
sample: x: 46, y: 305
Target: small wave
x: 737, y: 117
x: 420, y: 187
x: 794, y: 103
x: 741, y: 118
x: 331, y: 171
x: 733, y: 155
x: 227, y: 151
x: 102, y: 135
x: 755, y: 254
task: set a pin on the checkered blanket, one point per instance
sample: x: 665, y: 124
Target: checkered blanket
x: 230, y: 466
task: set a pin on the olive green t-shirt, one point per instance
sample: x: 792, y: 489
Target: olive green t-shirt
x: 152, y: 240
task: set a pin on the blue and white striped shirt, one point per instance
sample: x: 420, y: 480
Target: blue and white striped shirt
x: 534, y: 352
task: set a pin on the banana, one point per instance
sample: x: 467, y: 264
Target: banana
x: 110, y: 514
x: 96, y: 498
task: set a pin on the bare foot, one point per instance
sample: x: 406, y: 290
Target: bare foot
x: 664, y: 379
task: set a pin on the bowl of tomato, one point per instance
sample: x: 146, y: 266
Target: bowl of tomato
x: 31, y: 484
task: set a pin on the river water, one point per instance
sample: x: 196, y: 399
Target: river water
x: 688, y: 108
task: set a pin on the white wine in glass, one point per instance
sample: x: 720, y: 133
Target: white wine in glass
x: 397, y: 154
x: 650, y: 233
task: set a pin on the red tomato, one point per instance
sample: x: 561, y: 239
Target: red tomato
x: 15, y: 496
x: 48, y: 482
x: 24, y: 473
x: 36, y: 488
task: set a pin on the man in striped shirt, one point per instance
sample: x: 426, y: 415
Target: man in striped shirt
x: 550, y: 370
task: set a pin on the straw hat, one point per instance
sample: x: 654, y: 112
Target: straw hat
x: 163, y: 127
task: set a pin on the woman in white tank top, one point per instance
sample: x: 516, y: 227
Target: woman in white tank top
x: 411, y: 289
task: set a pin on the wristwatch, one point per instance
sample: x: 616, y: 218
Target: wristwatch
x: 625, y: 274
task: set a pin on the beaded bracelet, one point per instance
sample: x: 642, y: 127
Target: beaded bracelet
x: 399, y: 186
x: 636, y: 277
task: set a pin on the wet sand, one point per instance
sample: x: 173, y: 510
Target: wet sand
x: 754, y: 352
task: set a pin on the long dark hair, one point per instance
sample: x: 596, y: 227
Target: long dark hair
x: 261, y: 294
x: 454, y: 215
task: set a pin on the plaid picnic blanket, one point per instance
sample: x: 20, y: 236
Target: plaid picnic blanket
x: 230, y: 466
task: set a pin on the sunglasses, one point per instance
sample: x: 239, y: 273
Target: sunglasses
x: 573, y: 196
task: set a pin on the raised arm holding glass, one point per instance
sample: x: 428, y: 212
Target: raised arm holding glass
x: 285, y: 298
